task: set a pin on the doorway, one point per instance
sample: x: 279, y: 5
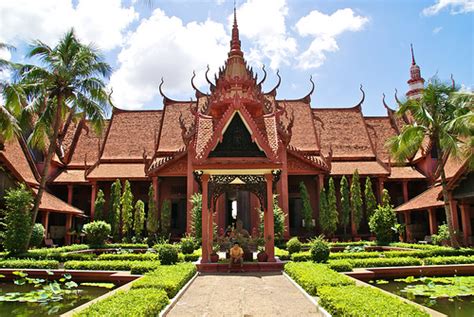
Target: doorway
x: 238, y: 207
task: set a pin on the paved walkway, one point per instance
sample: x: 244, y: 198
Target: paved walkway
x: 245, y: 294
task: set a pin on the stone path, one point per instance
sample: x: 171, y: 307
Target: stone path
x: 245, y: 294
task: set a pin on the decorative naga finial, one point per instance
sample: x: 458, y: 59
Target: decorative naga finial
x: 396, y: 98
x: 363, y: 96
x: 384, y: 103
x: 198, y: 92
x: 165, y: 98
x: 307, y: 98
x: 453, y: 82
x: 207, y: 78
x: 273, y: 91
x: 264, y: 75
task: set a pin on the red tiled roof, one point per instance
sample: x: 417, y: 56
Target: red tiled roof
x: 452, y: 166
x: 52, y: 203
x: 380, y: 130
x: 130, y: 133
x: 364, y: 168
x: 111, y: 171
x: 303, y: 134
x: 170, y: 135
x: 87, y: 143
x: 15, y: 158
x: 405, y: 172
x: 425, y: 200
x: 70, y: 176
x: 344, y: 130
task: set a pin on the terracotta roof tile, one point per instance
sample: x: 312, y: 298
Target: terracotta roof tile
x: 108, y: 171
x: 426, y: 199
x: 344, y: 129
x: 303, y: 134
x: 170, y: 136
x: 52, y: 203
x: 87, y: 143
x: 130, y: 133
x: 380, y: 130
x: 364, y: 168
x: 14, y: 157
x: 452, y: 166
x: 405, y: 172
x: 70, y: 176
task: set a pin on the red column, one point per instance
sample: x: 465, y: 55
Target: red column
x: 45, y: 222
x: 189, y: 193
x: 211, y: 225
x: 205, y: 220
x: 283, y: 185
x: 68, y: 229
x: 432, y: 220
x: 93, y: 195
x: 407, y: 226
x: 269, y: 233
x: 70, y: 191
x: 466, y: 223
x: 405, y: 191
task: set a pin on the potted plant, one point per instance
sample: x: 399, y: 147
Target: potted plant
x: 214, y: 255
x: 400, y: 230
x: 262, y: 256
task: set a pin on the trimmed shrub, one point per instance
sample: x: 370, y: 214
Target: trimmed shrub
x: 355, y: 255
x: 128, y: 257
x: 293, y: 245
x: 193, y: 257
x: 123, y: 246
x: 99, y: 205
x: 97, y: 232
x: 307, y: 210
x: 167, y: 253
x: 29, y: 264
x: 168, y: 278
x: 351, y: 244
x: 439, y: 260
x: 110, y: 265
x: 37, y: 236
x: 312, y: 276
x: 381, y: 224
x: 340, y: 266
x: 196, y: 215
x: 379, y: 262
x: 145, y: 302
x: 187, y: 245
x: 319, y: 250
x: 364, y: 301
x: 18, y: 202
x: 301, y: 256
x: 142, y: 267
x: 283, y: 255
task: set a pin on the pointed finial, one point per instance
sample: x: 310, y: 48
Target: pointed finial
x: 235, y: 41
x: 412, y: 55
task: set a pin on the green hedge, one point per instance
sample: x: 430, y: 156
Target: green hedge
x: 170, y: 278
x: 193, y: 257
x: 439, y: 260
x: 134, y: 303
x: 415, y: 246
x: 29, y: 264
x: 128, y: 257
x: 379, y: 262
x: 136, y: 267
x: 301, y: 256
x: 364, y: 301
x: 340, y: 265
x: 312, y: 276
x: 122, y: 246
x: 283, y: 255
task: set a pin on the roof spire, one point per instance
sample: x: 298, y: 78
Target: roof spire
x: 412, y: 55
x: 235, y: 42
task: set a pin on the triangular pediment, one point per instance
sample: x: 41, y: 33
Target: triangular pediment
x: 237, y: 141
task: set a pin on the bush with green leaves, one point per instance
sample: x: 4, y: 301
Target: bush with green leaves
x: 364, y: 301
x: 283, y: 255
x: 442, y: 237
x: 293, y: 245
x: 345, y: 204
x: 139, y: 220
x: 441, y: 260
x: 167, y: 253
x: 307, y: 210
x: 356, y: 200
x: 128, y: 257
x: 18, y: 202
x: 370, y: 201
x: 152, y: 221
x: 136, y: 267
x: 319, y: 250
x: 196, y: 215
x: 188, y: 245
x: 99, y: 206
x: 97, y: 232
x: 379, y: 262
x: 37, y: 236
x: 340, y: 266
x: 329, y: 216
x: 114, y: 213
x: 301, y: 256
x: 311, y: 276
x: 29, y: 264
x: 146, y: 302
x: 127, y: 210
x: 170, y: 278
x: 381, y: 224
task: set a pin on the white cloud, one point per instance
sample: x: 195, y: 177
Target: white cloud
x: 220, y: 2
x: 102, y: 22
x: 455, y: 6
x: 162, y: 46
x: 263, y: 23
x: 325, y: 28
x: 438, y: 29
x: 5, y: 55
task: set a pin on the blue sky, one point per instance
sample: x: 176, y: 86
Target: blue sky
x: 340, y: 43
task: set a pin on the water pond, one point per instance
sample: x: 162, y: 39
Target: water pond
x: 453, y: 296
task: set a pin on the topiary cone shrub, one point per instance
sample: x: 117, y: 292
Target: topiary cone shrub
x: 187, y: 245
x: 319, y: 250
x: 167, y: 253
x: 37, y: 236
x: 97, y: 232
x: 293, y: 245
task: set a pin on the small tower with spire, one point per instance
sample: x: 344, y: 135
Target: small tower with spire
x: 416, y: 83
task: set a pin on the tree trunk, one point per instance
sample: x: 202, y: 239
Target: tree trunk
x: 447, y: 207
x: 47, y: 163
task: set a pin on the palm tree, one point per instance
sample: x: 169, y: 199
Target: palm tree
x: 69, y: 82
x: 444, y: 116
x: 8, y: 122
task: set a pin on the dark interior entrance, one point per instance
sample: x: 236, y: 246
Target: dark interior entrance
x: 178, y: 216
x: 238, y: 207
